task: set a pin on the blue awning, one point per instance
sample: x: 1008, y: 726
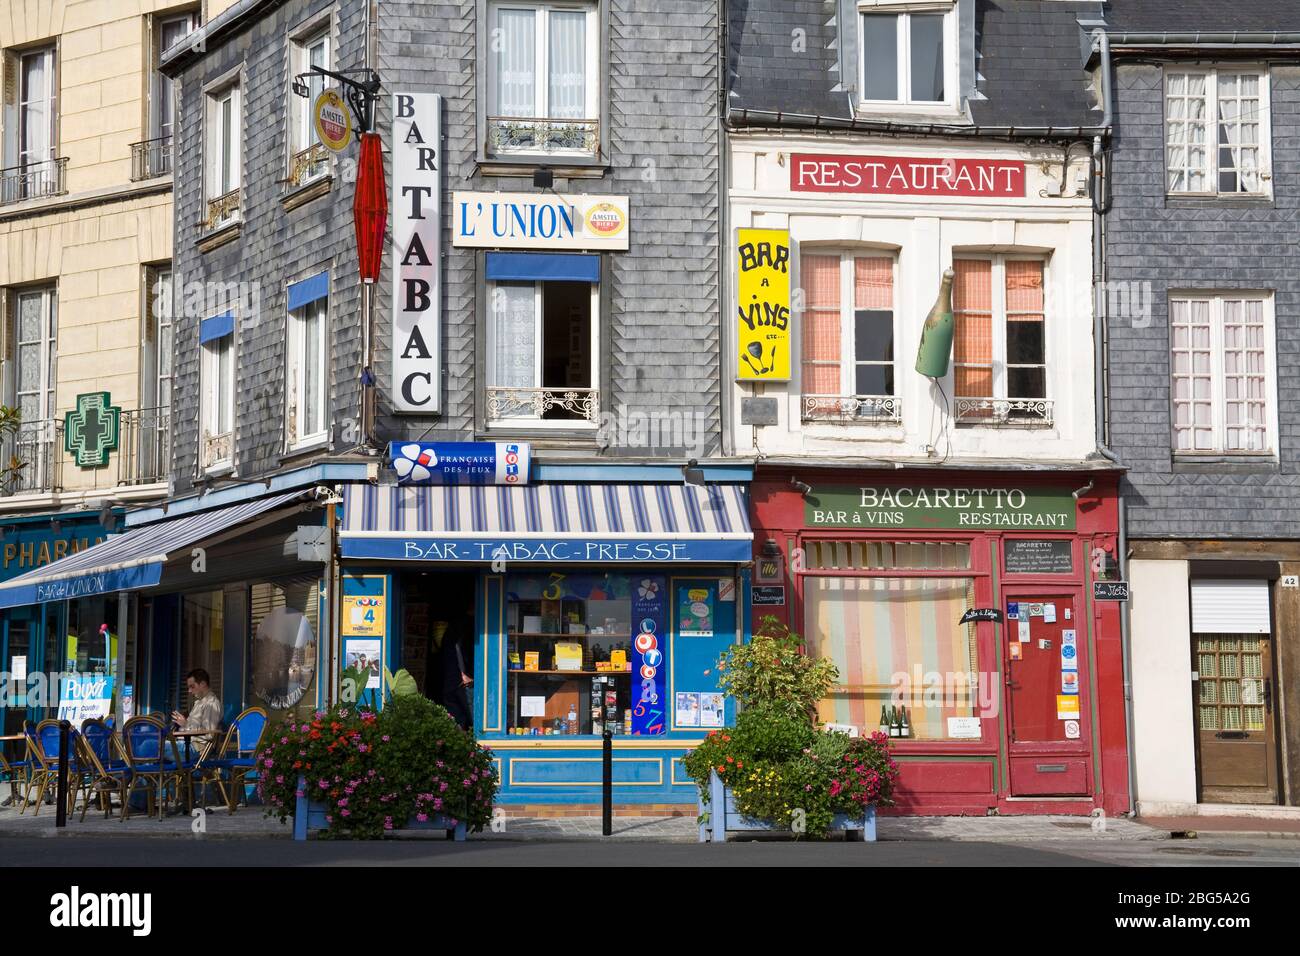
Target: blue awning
x: 548, y: 523
x: 216, y: 327
x: 132, y: 560
x: 542, y: 267
x: 308, y: 291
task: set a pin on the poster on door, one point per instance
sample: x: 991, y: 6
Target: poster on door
x: 649, y: 656
x: 363, y: 615
x: 695, y: 611
x: 85, y: 697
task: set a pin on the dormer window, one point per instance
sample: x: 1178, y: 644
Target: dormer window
x: 909, y: 54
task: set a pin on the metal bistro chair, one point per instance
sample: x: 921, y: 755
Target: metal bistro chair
x: 15, y: 774
x: 33, y: 763
x: 145, y: 743
x: 44, y: 746
x: 237, y: 757
x: 104, y: 770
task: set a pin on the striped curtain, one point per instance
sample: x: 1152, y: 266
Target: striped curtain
x: 875, y: 629
x: 568, y: 61
x: 821, y: 324
x: 972, y: 304
x: 515, y: 56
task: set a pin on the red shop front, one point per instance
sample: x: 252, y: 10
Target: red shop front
x: 1018, y: 708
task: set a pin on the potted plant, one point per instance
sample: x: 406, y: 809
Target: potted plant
x: 774, y: 770
x: 352, y: 772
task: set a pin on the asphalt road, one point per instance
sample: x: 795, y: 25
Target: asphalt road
x: 124, y: 852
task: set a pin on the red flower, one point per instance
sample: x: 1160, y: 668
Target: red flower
x: 731, y: 760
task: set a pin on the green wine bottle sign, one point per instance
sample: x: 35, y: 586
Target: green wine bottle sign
x: 937, y: 333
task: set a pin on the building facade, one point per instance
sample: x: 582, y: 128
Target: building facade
x: 1202, y: 295
x: 85, y: 278
x: 895, y: 154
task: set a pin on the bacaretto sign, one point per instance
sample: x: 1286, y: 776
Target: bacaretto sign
x: 921, y: 506
x: 417, y: 248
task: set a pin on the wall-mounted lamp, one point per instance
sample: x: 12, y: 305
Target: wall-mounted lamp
x: 1080, y: 492
x: 544, y: 178
x: 692, y: 473
x: 802, y: 487
x: 770, y: 566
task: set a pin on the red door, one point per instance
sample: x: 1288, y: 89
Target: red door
x: 1046, y: 695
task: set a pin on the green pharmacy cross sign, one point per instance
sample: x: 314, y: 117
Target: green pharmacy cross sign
x: 91, y: 432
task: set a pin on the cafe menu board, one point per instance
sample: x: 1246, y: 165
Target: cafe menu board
x: 1039, y: 556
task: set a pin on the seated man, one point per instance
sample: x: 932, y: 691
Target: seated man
x: 205, y: 714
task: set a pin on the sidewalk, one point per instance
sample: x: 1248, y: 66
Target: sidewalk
x: 1221, y: 826
x: 251, y: 823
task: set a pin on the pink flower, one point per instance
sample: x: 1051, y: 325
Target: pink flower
x: 422, y: 817
x: 270, y: 762
x: 345, y: 813
x: 324, y: 785
x: 279, y: 778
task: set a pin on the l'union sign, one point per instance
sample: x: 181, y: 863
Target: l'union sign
x: 923, y: 506
x: 539, y: 221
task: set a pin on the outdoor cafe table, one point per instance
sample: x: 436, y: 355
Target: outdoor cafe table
x: 13, y: 779
x: 187, y: 736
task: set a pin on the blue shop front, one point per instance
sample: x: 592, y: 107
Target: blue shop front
x: 592, y: 600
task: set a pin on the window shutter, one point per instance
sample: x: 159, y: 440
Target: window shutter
x: 9, y: 113
x: 1231, y: 607
x: 8, y: 332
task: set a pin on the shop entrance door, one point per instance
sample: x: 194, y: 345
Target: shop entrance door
x: 1237, y: 752
x: 19, y: 661
x: 1046, y: 702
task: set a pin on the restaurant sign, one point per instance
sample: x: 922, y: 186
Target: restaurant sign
x: 907, y: 176
x: 924, y: 507
x: 539, y: 221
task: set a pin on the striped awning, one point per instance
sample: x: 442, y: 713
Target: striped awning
x: 547, y: 523
x: 132, y: 560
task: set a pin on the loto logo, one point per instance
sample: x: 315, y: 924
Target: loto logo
x: 606, y: 219
x: 512, y: 464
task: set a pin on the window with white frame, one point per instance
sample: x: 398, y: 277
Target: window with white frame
x: 308, y: 159
x: 168, y: 31
x: 1217, y: 131
x: 30, y: 380
x: 1222, y: 366
x: 308, y: 372
x: 848, y: 336
x: 1000, y: 339
x: 223, y: 156
x: 31, y: 169
x: 217, y: 339
x: 156, y: 374
x: 908, y: 53
x: 542, y: 353
x: 543, y: 78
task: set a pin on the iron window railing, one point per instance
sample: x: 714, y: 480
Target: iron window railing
x: 151, y: 158
x: 526, y: 134
x: 1022, y: 412
x: 852, y: 408
x: 33, y: 180
x: 576, y: 404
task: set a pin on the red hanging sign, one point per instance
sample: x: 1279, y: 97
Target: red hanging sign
x: 370, y: 208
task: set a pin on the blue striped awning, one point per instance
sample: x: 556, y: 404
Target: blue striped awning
x: 548, y: 523
x: 132, y: 560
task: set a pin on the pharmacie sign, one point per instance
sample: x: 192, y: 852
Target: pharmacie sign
x: 928, y: 507
x: 416, y: 384
x: 907, y: 176
x: 539, y: 221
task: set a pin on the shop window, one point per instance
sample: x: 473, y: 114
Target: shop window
x: 542, y: 345
x: 895, y: 634
x: 887, y: 555
x: 217, y: 380
x: 90, y: 648
x: 308, y: 157
x: 308, y: 368
x: 1217, y: 132
x: 543, y: 79
x: 848, y: 337
x: 571, y: 653
x: 1000, y: 347
x: 1221, y: 358
x: 203, y: 641
x: 285, y: 623
x: 909, y: 53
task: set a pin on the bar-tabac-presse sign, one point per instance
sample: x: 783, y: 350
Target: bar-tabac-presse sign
x: 763, y: 316
x: 921, y: 506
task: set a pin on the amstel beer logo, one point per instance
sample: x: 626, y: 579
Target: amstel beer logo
x: 606, y: 219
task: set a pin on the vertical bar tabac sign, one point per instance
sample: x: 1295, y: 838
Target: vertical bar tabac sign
x: 417, y: 249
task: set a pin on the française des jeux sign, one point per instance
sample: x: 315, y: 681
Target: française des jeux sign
x: 929, y: 507
x: 907, y: 176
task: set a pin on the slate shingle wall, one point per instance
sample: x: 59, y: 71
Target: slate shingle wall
x: 662, y: 147
x: 1199, y: 245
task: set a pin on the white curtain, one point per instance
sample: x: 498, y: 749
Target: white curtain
x: 568, y: 56
x: 36, y: 144
x: 514, y: 330
x: 515, y: 46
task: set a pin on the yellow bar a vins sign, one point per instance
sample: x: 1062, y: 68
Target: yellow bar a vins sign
x: 763, y: 315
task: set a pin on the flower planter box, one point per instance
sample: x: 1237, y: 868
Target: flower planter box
x: 723, y: 819
x: 309, y: 815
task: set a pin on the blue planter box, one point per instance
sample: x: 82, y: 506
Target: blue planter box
x: 309, y: 815
x: 723, y: 819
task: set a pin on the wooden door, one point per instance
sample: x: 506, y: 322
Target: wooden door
x: 1235, y: 693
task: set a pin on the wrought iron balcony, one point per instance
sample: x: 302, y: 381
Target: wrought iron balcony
x: 38, y: 447
x: 142, y: 455
x: 33, y: 180
x: 222, y: 210
x: 527, y: 134
x: 145, y: 450
x: 1007, y: 412
x: 151, y: 158
x: 547, y: 404
x: 852, y: 408
x: 217, y: 449
x: 307, y: 164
